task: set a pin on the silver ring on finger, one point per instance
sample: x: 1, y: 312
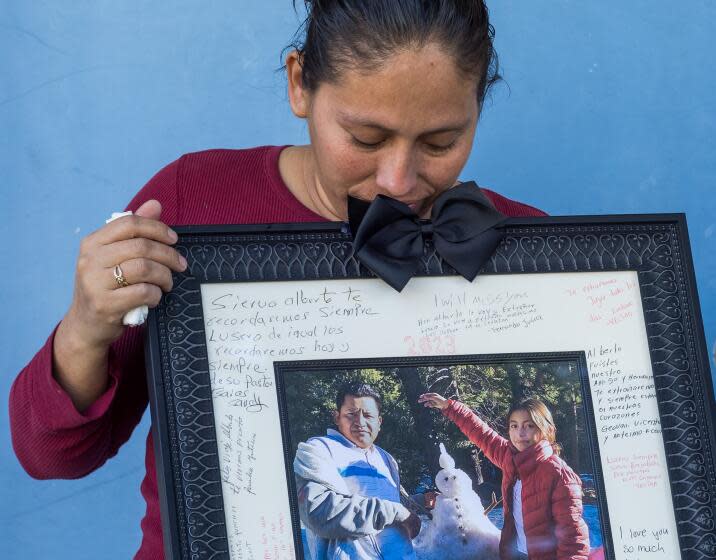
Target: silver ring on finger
x: 119, y: 277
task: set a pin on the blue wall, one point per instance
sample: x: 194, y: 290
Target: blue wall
x: 610, y: 109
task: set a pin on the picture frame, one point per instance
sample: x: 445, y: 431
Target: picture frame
x: 413, y: 443
x: 254, y: 298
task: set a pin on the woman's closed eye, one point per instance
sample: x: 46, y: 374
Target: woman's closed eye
x: 439, y: 148
x: 367, y: 144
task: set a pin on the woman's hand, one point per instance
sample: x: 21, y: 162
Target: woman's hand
x: 141, y: 246
x: 434, y: 400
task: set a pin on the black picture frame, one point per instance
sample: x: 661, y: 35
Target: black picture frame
x: 656, y: 247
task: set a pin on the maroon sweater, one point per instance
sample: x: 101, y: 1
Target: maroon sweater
x: 551, y: 492
x: 51, y: 438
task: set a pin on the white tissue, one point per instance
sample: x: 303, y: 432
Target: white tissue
x: 137, y: 316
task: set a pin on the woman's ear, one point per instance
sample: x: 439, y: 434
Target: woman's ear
x: 297, y: 94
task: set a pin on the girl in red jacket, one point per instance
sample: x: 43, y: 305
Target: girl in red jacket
x: 542, y: 496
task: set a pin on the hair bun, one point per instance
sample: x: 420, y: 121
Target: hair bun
x: 344, y: 34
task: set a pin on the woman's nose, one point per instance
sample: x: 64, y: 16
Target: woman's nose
x: 396, y: 175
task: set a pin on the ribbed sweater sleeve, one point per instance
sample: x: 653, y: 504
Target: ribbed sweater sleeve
x: 51, y: 438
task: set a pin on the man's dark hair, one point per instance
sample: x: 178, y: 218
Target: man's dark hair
x: 361, y: 34
x: 357, y: 390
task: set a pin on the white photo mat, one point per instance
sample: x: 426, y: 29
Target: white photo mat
x: 249, y: 325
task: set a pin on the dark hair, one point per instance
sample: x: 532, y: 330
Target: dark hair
x: 363, y: 34
x: 357, y: 389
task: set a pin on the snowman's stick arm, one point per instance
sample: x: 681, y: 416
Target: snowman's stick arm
x: 493, y: 504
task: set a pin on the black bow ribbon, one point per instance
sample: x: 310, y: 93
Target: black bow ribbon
x: 389, y: 238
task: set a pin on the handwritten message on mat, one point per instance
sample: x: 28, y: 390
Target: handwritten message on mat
x: 251, y: 325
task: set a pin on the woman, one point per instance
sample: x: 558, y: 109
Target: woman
x: 542, y: 496
x: 391, y: 92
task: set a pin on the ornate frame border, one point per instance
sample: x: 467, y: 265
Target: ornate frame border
x: 655, y: 246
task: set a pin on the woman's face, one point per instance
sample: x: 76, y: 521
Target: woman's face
x: 404, y: 130
x: 523, y: 431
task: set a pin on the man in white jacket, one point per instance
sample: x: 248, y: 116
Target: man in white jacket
x: 349, y: 488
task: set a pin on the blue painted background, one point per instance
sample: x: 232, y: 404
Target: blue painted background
x: 610, y: 109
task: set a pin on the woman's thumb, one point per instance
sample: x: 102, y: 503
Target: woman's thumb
x: 150, y: 209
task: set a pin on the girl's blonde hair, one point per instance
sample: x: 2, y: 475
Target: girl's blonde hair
x: 541, y: 417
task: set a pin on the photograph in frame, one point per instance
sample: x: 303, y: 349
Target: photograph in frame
x: 466, y: 518
x: 619, y: 289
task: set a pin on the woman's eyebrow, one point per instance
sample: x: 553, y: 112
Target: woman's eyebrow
x: 354, y: 120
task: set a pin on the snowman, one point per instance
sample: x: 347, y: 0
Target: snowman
x: 459, y: 529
